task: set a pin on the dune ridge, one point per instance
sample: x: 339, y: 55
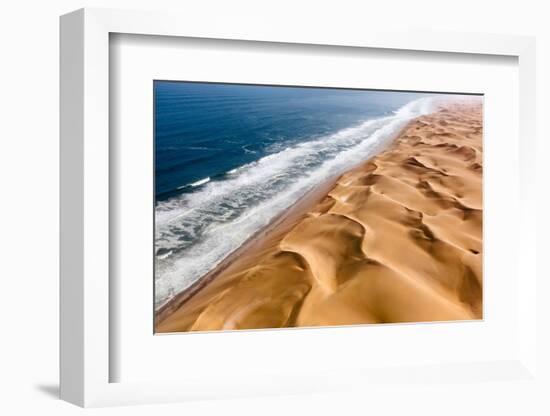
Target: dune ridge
x: 396, y: 239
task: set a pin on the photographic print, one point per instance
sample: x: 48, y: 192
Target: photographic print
x: 289, y: 206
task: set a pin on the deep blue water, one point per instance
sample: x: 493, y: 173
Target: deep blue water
x: 205, y: 130
x: 229, y: 158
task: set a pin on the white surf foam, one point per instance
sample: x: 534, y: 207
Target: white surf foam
x: 195, y: 184
x: 200, y: 182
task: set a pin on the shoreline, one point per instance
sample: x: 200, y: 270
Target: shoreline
x: 249, y: 274
x: 285, y: 220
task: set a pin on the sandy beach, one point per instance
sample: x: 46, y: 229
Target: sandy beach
x: 396, y: 239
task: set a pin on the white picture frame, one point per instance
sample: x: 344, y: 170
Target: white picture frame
x: 85, y: 219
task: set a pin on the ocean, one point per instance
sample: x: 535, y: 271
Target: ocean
x: 229, y: 158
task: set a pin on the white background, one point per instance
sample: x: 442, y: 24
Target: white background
x: 139, y: 60
x: 29, y: 164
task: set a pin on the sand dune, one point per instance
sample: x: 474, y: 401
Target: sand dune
x: 397, y: 239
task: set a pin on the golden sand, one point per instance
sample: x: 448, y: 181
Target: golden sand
x: 397, y: 239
